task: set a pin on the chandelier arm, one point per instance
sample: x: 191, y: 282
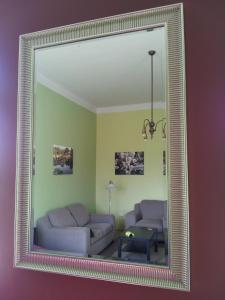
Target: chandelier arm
x: 164, y: 130
x: 147, y: 121
x: 144, y: 128
x: 164, y: 126
x: 159, y: 122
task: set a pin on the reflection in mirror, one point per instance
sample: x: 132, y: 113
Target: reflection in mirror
x: 99, y: 188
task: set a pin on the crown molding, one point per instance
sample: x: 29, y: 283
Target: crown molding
x: 130, y: 107
x: 58, y: 88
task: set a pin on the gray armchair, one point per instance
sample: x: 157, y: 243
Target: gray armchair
x: 73, y: 229
x: 148, y: 213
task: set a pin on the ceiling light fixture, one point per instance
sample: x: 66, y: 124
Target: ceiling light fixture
x: 151, y: 124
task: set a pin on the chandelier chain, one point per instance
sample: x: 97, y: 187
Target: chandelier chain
x: 152, y: 88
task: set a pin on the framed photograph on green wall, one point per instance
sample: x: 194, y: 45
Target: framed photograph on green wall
x: 129, y: 163
x: 62, y: 160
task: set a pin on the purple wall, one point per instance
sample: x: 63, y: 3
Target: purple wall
x: 205, y: 52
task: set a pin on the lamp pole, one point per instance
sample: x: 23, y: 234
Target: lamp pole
x: 110, y: 187
x: 110, y: 197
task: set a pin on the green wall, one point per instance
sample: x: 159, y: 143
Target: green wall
x: 58, y: 121
x: 121, y: 132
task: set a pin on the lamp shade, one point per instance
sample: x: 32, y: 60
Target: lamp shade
x: 111, y: 185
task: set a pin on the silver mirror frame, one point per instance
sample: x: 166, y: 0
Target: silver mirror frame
x: 177, y: 276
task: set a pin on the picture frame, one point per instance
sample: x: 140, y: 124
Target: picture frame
x: 62, y: 160
x: 129, y: 163
x: 177, y: 275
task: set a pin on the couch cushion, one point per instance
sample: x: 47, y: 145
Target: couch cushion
x: 61, y: 217
x: 151, y: 223
x: 99, y: 230
x: 152, y: 209
x: 80, y: 213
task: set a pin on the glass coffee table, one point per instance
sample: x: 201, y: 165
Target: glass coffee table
x: 144, y: 235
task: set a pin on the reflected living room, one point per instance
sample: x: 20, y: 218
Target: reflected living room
x: 99, y: 184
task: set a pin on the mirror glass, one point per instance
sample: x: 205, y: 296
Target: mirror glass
x: 99, y: 189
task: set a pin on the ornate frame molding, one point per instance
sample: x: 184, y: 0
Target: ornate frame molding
x: 177, y: 276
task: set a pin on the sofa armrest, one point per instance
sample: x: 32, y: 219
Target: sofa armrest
x: 102, y: 218
x: 75, y: 239
x: 131, y: 218
x: 165, y: 225
x: 165, y: 215
x: 70, y: 239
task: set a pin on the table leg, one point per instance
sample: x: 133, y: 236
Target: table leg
x: 148, y: 251
x: 165, y: 237
x: 120, y: 247
x: 156, y: 241
x: 166, y: 249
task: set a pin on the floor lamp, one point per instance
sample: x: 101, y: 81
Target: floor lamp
x: 110, y: 187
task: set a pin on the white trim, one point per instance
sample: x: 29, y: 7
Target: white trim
x: 130, y: 107
x: 58, y: 88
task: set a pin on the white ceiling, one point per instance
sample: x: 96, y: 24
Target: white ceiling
x: 106, y: 72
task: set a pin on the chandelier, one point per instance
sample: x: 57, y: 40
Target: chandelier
x: 151, y: 125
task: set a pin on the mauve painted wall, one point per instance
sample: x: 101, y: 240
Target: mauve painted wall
x: 205, y: 51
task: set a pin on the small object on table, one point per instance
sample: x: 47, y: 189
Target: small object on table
x: 129, y: 234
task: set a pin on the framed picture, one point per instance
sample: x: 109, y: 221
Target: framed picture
x: 62, y: 160
x: 129, y: 163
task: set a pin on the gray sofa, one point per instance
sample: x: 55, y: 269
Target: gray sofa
x: 72, y: 229
x: 148, y: 213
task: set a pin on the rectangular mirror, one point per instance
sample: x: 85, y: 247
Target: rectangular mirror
x: 91, y: 99
x: 101, y: 156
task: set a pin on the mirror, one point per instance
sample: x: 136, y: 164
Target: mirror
x: 106, y: 131
x: 97, y: 139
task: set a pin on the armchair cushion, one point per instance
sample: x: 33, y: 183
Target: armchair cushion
x: 151, y: 223
x: 100, y: 218
x: 152, y: 209
x: 80, y: 213
x: 99, y: 230
x: 61, y: 217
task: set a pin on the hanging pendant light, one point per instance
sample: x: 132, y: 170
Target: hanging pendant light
x: 151, y: 125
